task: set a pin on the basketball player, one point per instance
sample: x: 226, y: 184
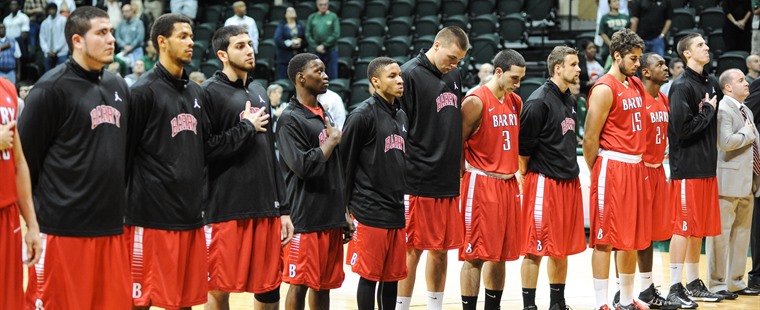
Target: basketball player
x: 613, y: 146
x: 491, y: 205
x: 373, y: 156
x: 693, y: 135
x: 165, y: 176
x: 552, y: 202
x: 74, y: 133
x: 244, y: 236
x: 431, y: 100
x: 310, y: 158
x: 15, y: 199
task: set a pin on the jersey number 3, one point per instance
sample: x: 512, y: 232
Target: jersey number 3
x: 507, y: 142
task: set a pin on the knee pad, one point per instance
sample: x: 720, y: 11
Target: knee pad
x: 270, y: 297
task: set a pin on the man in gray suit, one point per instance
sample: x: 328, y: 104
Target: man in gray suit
x: 738, y: 168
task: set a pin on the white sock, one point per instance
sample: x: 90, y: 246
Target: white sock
x: 403, y: 303
x: 617, y: 282
x: 646, y: 280
x: 676, y: 273
x: 600, y: 288
x: 692, y: 272
x: 626, y: 289
x: 435, y: 300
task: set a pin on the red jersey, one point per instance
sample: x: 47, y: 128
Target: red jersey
x: 493, y: 147
x: 657, y: 127
x: 624, y: 129
x: 8, y: 110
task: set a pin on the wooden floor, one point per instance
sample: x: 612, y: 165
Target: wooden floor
x: 579, y: 291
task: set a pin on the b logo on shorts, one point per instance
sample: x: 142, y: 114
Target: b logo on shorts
x: 600, y: 235
x: 38, y: 304
x: 469, y: 248
x: 539, y: 247
x: 292, y: 270
x: 136, y: 290
x: 353, y: 258
x: 685, y: 226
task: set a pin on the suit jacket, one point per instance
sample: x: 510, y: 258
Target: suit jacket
x: 735, y: 138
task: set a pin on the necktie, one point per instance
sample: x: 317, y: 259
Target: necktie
x: 755, y: 152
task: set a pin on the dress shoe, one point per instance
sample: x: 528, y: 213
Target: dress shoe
x: 748, y: 292
x: 727, y: 295
x: 754, y: 283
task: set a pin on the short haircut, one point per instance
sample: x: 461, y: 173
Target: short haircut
x: 272, y: 88
x: 164, y: 26
x: 750, y: 57
x: 726, y: 77
x: 298, y: 63
x: 455, y: 35
x: 51, y: 6
x: 557, y: 57
x: 79, y: 22
x: 221, y: 39
x: 507, y: 58
x: 624, y: 41
x: 374, y: 67
x: 644, y: 64
x: 674, y: 62
x: 684, y: 44
x: 584, y: 44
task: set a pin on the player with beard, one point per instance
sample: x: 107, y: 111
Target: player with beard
x: 166, y: 175
x: 74, y: 134
x: 613, y: 146
x: 244, y: 236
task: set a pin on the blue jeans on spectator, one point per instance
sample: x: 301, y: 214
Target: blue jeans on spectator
x: 10, y: 75
x: 52, y: 62
x: 331, y: 62
x: 656, y: 45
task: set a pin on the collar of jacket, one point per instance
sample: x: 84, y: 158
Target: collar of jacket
x: 94, y: 76
x: 385, y: 105
x: 239, y: 83
x: 427, y: 64
x: 560, y: 94
x: 179, y: 84
x: 702, y: 77
x: 298, y: 105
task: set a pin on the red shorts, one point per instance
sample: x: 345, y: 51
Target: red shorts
x: 433, y: 223
x: 315, y: 260
x: 377, y: 254
x: 552, y: 217
x: 11, y: 264
x: 80, y: 273
x: 620, y: 215
x: 169, y: 267
x: 659, y: 199
x: 696, y: 207
x: 244, y: 255
x: 491, y: 218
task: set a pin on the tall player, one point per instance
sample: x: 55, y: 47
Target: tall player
x: 244, y: 236
x: 431, y: 100
x: 15, y: 198
x: 693, y: 137
x: 613, y: 146
x: 74, y: 133
x: 552, y: 202
x: 373, y: 156
x: 310, y: 158
x: 491, y: 202
x: 165, y: 177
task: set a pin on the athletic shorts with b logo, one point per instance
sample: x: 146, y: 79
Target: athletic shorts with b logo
x: 696, y: 207
x: 433, y: 223
x: 244, y: 255
x: 491, y: 217
x: 552, y: 216
x: 315, y: 260
x: 659, y: 200
x: 377, y: 254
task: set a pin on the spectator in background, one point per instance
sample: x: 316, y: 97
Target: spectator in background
x: 333, y: 103
x: 138, y: 68
x: 753, y: 68
x: 139, y: 10
x: 129, y: 36
x: 322, y: 33
x: 113, y: 7
x: 35, y: 9
x: 604, y: 7
x: 240, y: 19
x: 274, y: 92
x: 197, y: 77
x: 10, y: 66
x: 23, y: 89
x: 65, y: 7
x: 755, y: 27
x: 17, y: 27
x: 485, y: 73
x: 151, y: 57
x: 154, y: 8
x: 651, y: 19
x: 610, y: 23
x: 188, y: 8
x: 675, y: 68
x: 591, y: 67
x: 737, y: 31
x: 52, y: 38
x: 289, y: 38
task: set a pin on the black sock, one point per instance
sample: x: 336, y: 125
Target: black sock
x: 365, y: 294
x: 556, y: 294
x: 469, y: 302
x: 493, y: 299
x: 529, y: 297
x: 386, y: 295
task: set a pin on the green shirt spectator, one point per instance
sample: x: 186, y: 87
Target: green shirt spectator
x: 322, y: 33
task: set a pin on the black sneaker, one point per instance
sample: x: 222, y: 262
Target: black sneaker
x: 560, y: 306
x: 677, y: 295
x: 727, y: 295
x: 698, y: 291
x: 651, y: 296
x: 531, y: 308
x: 616, y: 300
